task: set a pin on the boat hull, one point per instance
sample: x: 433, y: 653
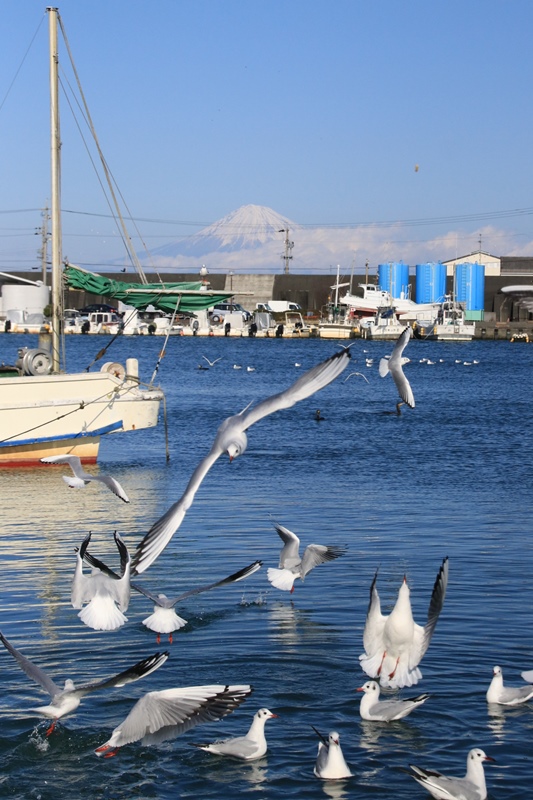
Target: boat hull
x: 44, y: 415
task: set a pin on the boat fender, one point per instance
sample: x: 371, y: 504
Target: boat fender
x: 34, y: 361
x: 114, y: 369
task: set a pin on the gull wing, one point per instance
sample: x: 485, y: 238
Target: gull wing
x: 134, y: 673
x: 174, y: 711
x: 112, y: 484
x: 74, y: 463
x: 32, y: 670
x: 237, y: 576
x: 290, y: 553
x: 315, y: 554
x: 375, y: 621
x: 80, y: 590
x: 436, y: 603
x: 310, y: 382
x: 166, y: 526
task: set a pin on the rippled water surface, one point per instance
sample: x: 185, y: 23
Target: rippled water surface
x: 450, y: 478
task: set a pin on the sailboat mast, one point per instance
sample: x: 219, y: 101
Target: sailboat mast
x: 55, y: 143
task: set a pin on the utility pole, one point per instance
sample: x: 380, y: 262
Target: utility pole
x: 288, y: 248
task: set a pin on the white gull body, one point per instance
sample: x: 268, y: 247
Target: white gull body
x: 374, y: 710
x: 81, y: 478
x: 67, y: 699
x: 395, y: 644
x: 507, y: 695
x: 102, y: 599
x: 291, y: 566
x: 394, y: 365
x: 163, y: 715
x: 330, y: 764
x: 246, y: 748
x: 231, y: 439
x: 471, y: 787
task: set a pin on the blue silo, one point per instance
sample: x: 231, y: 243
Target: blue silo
x: 430, y: 282
x: 394, y: 278
x: 470, y: 288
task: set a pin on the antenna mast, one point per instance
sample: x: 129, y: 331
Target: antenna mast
x: 287, y: 256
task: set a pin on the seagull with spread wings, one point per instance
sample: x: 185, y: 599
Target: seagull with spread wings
x: 395, y: 644
x: 231, y: 439
x: 80, y: 478
x: 291, y: 566
x: 394, y: 364
x: 107, y: 596
x: 67, y: 699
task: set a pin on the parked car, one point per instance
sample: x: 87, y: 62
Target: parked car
x: 219, y: 311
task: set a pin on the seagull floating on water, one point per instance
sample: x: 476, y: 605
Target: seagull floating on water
x: 231, y: 439
x: 107, y: 597
x: 395, y: 644
x: 245, y: 748
x: 507, y: 695
x: 67, y: 699
x: 330, y: 764
x: 164, y: 619
x: 371, y: 708
x: 394, y: 364
x: 291, y: 566
x: 82, y: 478
x: 159, y: 716
x: 471, y: 787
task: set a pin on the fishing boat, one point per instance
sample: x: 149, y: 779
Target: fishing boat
x: 449, y: 325
x: 374, y: 298
x: 385, y: 325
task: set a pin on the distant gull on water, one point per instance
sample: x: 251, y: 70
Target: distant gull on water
x: 507, y: 695
x: 374, y: 710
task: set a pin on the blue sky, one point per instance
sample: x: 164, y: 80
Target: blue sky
x: 319, y: 109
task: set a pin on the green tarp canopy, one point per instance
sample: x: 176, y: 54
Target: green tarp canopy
x: 189, y: 296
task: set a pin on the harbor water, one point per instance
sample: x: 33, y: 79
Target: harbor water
x: 451, y: 477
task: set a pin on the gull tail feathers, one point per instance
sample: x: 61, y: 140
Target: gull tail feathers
x: 102, y: 614
x: 281, y: 578
x: 164, y: 623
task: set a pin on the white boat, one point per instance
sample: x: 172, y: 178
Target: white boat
x: 385, y: 325
x: 449, y: 325
x: 374, y: 297
x: 44, y: 412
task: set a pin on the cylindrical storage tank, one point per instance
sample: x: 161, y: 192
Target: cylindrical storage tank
x: 394, y: 278
x: 25, y: 303
x: 470, y: 285
x: 430, y: 282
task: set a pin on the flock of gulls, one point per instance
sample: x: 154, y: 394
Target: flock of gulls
x: 394, y: 644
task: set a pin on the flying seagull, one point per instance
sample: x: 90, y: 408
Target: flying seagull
x: 67, y: 699
x: 291, y: 566
x: 394, y: 364
x: 163, y: 715
x: 395, y: 644
x: 245, y: 748
x: 82, y: 478
x: 374, y: 710
x: 507, y: 695
x: 330, y: 764
x: 231, y: 439
x: 164, y: 619
x: 107, y: 597
x: 471, y: 787
x: 212, y: 363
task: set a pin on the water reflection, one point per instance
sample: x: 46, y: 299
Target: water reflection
x: 289, y: 624
x: 336, y: 789
x: 498, y: 717
x: 381, y: 737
